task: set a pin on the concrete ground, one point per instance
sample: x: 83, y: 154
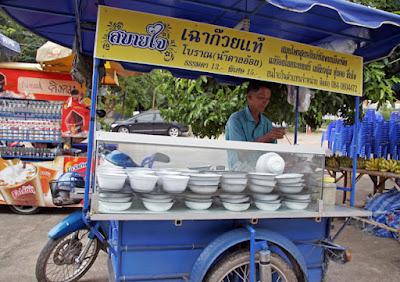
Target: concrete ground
x: 23, y: 237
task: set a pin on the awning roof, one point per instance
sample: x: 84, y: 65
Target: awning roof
x: 303, y: 21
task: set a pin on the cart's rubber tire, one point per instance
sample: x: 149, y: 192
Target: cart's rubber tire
x: 242, y: 258
x: 58, y: 255
x: 123, y: 129
x: 173, y: 131
x: 26, y: 210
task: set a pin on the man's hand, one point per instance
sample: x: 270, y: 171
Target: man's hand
x: 275, y: 133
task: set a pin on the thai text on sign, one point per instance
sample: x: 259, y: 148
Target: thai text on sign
x: 131, y: 36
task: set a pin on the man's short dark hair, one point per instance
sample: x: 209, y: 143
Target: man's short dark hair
x: 255, y: 85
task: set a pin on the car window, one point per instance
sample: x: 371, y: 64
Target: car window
x: 148, y: 117
x: 159, y: 118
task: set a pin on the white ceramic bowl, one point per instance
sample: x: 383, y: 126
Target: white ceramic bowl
x: 167, y: 200
x: 143, y: 182
x: 196, y: 196
x: 230, y: 174
x: 204, y: 182
x: 262, y: 182
x: 271, y: 163
x: 157, y: 206
x: 114, y: 195
x: 175, y: 183
x: 262, y: 175
x: 237, y: 200
x: 304, y: 196
x: 290, y: 189
x: 117, y: 199
x: 205, y: 176
x: 289, y: 178
x: 265, y: 197
x: 234, y: 180
x: 162, y: 173
x: 107, y: 172
x: 232, y: 188
x: 198, y: 205
x: 296, y: 204
x: 236, y: 206
x: 112, y: 206
x: 203, y: 189
x: 227, y: 196
x: 298, y: 184
x: 260, y: 188
x: 267, y: 206
x: 111, y: 182
x: 156, y: 196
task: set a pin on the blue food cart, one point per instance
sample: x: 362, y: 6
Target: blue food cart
x: 192, y: 38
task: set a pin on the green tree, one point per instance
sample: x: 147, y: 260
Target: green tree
x: 28, y: 41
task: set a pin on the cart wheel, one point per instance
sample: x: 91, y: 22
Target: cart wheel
x: 236, y: 267
x: 24, y: 209
x: 57, y: 262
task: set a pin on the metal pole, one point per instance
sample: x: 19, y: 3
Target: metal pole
x: 297, y: 116
x: 353, y: 180
x: 91, y: 134
x: 265, y: 266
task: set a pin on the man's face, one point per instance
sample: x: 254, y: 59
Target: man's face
x: 259, y: 100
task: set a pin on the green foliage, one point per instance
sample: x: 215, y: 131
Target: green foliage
x: 202, y: 103
x: 386, y: 111
x: 105, y: 126
x: 28, y: 41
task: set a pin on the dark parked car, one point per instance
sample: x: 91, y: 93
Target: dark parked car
x: 149, y: 122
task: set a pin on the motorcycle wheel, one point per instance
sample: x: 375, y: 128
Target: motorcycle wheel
x: 56, y: 262
x: 236, y: 267
x: 25, y: 209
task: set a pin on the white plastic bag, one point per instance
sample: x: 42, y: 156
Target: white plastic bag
x: 305, y: 96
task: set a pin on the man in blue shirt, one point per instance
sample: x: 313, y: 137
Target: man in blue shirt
x: 250, y: 124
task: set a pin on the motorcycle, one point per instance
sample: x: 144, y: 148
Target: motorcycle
x: 76, y: 241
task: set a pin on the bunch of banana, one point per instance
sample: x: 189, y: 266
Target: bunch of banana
x: 372, y: 164
x: 345, y: 161
x: 397, y: 167
x: 360, y: 163
x: 384, y: 165
x: 331, y: 161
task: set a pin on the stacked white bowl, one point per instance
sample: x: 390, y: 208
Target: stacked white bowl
x: 261, y: 182
x: 204, y: 183
x: 172, y: 181
x: 157, y: 202
x: 267, y: 202
x: 197, y: 201
x: 234, y: 182
x: 110, y: 178
x: 297, y: 201
x: 290, y: 183
x: 142, y: 181
x: 235, y: 202
x: 110, y: 201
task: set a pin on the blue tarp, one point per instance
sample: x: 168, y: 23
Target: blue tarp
x: 303, y: 21
x: 9, y: 46
x: 386, y: 210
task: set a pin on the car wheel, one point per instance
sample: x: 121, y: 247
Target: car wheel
x: 123, y: 129
x: 173, y: 131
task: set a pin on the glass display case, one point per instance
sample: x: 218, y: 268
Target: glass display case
x: 155, y: 177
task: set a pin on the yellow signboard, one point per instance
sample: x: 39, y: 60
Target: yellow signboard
x: 125, y: 35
